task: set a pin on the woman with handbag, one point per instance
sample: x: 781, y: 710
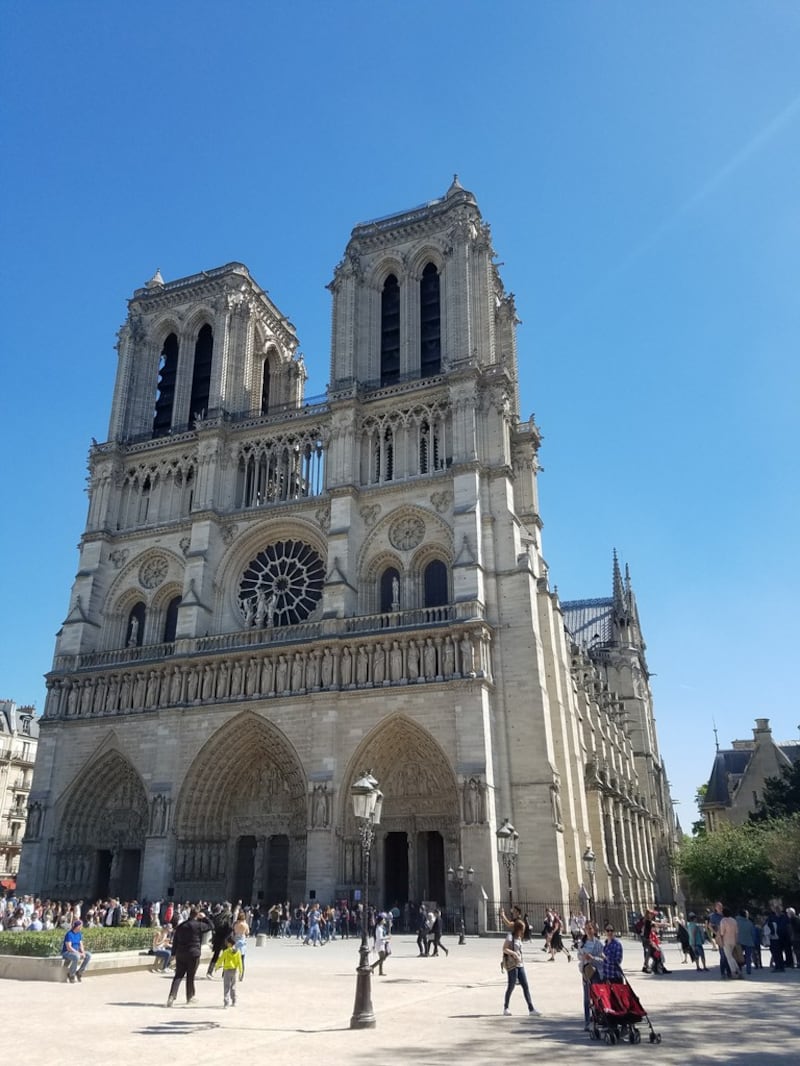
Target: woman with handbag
x: 514, y: 966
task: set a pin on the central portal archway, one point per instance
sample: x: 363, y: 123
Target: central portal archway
x: 421, y: 818
x: 241, y: 817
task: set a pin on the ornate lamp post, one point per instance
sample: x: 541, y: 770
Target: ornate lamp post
x: 589, y: 863
x: 367, y: 804
x: 461, y: 879
x: 508, y: 849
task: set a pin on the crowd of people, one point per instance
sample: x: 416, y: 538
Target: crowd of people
x: 742, y: 941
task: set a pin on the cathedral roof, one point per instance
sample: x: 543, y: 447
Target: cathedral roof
x: 589, y: 622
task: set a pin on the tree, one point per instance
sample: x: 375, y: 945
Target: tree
x: 731, y: 864
x: 699, y: 827
x: 783, y: 847
x: 781, y: 795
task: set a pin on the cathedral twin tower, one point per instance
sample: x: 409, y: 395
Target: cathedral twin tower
x: 275, y: 593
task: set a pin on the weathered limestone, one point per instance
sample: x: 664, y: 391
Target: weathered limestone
x: 274, y: 595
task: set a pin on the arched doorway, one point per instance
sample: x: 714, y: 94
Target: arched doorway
x: 420, y: 823
x: 101, y: 835
x: 241, y: 817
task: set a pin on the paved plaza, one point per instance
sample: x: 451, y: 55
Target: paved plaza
x: 296, y: 1001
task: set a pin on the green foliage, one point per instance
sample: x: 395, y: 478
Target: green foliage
x: 699, y: 827
x: 781, y: 798
x: 783, y: 847
x: 731, y: 864
x: 95, y: 939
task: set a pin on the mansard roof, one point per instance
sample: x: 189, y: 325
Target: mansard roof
x: 729, y: 767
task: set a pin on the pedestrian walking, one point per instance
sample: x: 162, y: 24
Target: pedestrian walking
x: 436, y: 933
x: 232, y: 965
x: 383, y: 943
x: 186, y: 946
x: 514, y: 965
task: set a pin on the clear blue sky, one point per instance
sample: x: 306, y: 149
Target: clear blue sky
x: 638, y: 163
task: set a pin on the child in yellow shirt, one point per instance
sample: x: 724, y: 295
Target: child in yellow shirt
x: 231, y: 962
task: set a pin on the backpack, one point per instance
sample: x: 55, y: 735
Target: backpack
x: 638, y: 927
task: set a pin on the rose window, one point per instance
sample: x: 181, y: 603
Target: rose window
x: 282, y: 585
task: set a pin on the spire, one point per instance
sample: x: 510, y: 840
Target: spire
x: 619, y: 592
x: 455, y: 186
x: 155, y: 281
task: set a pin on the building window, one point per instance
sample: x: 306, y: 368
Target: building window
x: 390, y: 590
x: 201, y: 377
x: 134, y: 632
x: 390, y: 331
x: 384, y: 456
x: 265, y: 387
x: 165, y: 395
x: 435, y: 584
x: 171, y: 621
x: 430, y: 322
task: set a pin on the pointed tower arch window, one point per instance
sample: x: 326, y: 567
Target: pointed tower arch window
x: 165, y: 395
x: 171, y: 620
x: 435, y: 584
x: 265, y: 382
x: 390, y: 331
x: 201, y: 376
x: 430, y: 322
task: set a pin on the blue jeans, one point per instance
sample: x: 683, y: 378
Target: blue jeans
x: 77, y: 963
x: 518, y: 974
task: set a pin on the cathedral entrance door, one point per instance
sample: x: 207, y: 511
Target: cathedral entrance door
x: 245, y: 869
x: 102, y: 877
x: 431, y: 881
x: 129, y: 873
x: 395, y: 879
x: 278, y: 869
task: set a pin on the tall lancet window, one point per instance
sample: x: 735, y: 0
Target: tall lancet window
x: 430, y: 322
x: 201, y: 377
x: 265, y: 387
x: 165, y: 397
x: 390, y: 331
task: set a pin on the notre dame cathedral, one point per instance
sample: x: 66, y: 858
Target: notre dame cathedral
x: 277, y: 591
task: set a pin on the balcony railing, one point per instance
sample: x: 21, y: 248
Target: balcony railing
x: 242, y: 639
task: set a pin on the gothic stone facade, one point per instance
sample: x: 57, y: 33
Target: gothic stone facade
x: 275, y: 593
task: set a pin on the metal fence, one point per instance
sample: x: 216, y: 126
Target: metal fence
x: 601, y: 911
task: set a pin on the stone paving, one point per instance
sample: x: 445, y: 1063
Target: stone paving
x: 296, y: 1001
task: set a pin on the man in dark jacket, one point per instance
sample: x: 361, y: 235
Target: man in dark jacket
x: 186, y: 944
x: 223, y: 927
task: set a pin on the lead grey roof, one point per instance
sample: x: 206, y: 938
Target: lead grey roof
x: 589, y: 621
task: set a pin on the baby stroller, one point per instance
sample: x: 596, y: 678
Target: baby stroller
x: 615, y: 1014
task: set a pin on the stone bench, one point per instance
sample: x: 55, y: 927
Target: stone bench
x: 53, y: 968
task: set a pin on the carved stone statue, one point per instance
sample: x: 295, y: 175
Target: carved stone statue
x: 362, y: 667
x: 327, y: 668
x: 347, y: 667
x: 379, y: 665
x: 396, y: 662
x: 319, y: 807
x: 429, y: 655
x: 413, y: 661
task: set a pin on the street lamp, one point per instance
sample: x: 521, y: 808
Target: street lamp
x: 461, y: 879
x: 589, y: 864
x: 508, y: 848
x: 367, y: 804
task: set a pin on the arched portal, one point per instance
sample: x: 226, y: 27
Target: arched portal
x: 241, y: 817
x: 102, y: 833
x: 420, y: 823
